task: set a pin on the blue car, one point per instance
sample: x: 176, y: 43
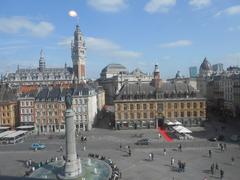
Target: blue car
x: 38, y: 146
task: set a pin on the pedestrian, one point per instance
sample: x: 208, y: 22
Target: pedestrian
x: 120, y: 146
x: 221, y: 174
x: 61, y: 149
x: 129, y: 152
x: 152, y: 157
x: 27, y: 164
x: 183, y: 166
x: 216, y: 166
x: 232, y: 159
x: 179, y: 165
x: 164, y: 152
x: 225, y: 146
x: 180, y: 147
x: 212, y: 169
x: 209, y: 153
x: 159, y: 135
x: 172, y: 161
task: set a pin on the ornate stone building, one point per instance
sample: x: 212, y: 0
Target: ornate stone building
x: 45, y: 76
x: 113, y: 76
x: 142, y: 105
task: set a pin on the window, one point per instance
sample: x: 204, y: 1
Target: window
x: 119, y: 107
x: 151, y: 106
x: 195, y: 113
x: 195, y: 105
x: 125, y: 106
x: 188, y: 114
x: 131, y: 106
x: 175, y: 105
x: 182, y: 114
x: 201, y: 113
x: 169, y: 105
x: 188, y: 105
x: 169, y: 114
x: 201, y: 104
x: 138, y: 106
x: 145, y: 115
x: 144, y: 106
x: 160, y: 106
x: 151, y: 115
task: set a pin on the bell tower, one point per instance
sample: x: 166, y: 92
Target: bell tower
x: 78, y: 56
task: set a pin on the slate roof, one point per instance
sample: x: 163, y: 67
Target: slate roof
x: 167, y: 89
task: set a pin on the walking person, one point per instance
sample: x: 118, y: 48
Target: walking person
x: 232, y: 159
x: 212, y: 169
x: 152, y: 157
x: 120, y: 146
x: 216, y: 166
x: 209, y: 153
x: 172, y: 161
x: 164, y: 152
x: 221, y: 174
x: 61, y: 149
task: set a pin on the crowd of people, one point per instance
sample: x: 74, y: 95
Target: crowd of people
x: 116, y: 174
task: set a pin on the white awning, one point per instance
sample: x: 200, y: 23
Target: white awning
x: 172, y: 122
x: 25, y: 127
x: 5, y: 133
x: 181, y: 129
x: 15, y: 134
x: 4, y: 128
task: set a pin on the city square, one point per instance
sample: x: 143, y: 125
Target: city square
x: 138, y: 166
x: 120, y: 89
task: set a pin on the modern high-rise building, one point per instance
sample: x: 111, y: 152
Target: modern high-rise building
x: 193, y: 72
x: 78, y: 56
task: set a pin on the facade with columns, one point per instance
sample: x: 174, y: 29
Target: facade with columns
x: 142, y: 105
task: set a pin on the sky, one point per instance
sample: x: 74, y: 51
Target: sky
x: 175, y: 34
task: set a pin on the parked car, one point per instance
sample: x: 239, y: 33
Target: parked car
x: 212, y: 139
x: 235, y: 138
x: 143, y: 142
x: 221, y: 138
x: 38, y: 146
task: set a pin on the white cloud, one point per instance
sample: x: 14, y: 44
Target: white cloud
x: 179, y: 43
x: 200, y: 3
x: 108, y: 5
x: 104, y: 47
x: 24, y: 25
x: 234, y: 10
x: 154, y: 6
x: 109, y: 48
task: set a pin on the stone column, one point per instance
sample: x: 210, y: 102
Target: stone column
x: 72, y: 165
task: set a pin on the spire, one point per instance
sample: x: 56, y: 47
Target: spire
x: 42, y: 64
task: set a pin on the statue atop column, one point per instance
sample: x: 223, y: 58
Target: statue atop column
x: 68, y: 101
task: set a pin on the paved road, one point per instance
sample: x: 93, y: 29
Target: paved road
x: 106, y: 142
